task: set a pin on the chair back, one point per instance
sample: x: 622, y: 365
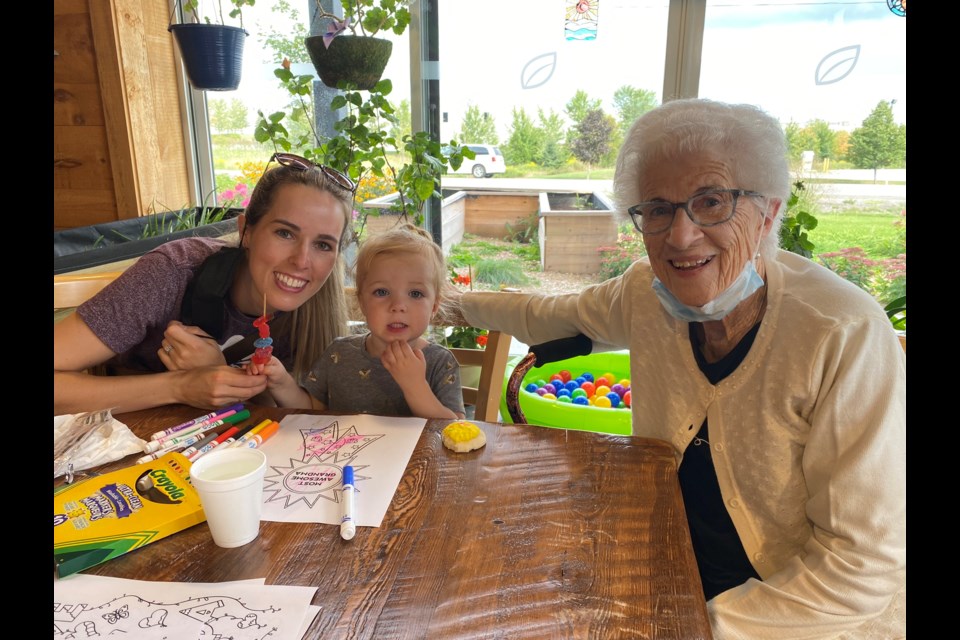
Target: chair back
x: 492, y: 360
x: 71, y: 290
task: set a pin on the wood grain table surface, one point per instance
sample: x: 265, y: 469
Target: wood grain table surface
x: 543, y: 533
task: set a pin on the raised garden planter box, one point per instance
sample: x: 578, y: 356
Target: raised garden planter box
x: 572, y: 228
x: 99, y: 244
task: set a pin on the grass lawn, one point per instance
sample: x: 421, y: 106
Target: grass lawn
x: 880, y: 235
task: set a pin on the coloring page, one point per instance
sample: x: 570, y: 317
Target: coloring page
x: 97, y: 606
x: 305, y: 461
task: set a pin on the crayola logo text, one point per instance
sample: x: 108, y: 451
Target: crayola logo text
x: 164, y: 482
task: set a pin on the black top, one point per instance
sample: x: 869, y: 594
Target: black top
x: 722, y: 562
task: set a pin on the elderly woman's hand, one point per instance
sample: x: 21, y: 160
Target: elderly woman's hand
x: 188, y: 347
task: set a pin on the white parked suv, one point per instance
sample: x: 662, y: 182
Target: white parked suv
x: 489, y: 161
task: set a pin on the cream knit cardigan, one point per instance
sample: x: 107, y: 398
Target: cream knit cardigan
x: 808, y: 438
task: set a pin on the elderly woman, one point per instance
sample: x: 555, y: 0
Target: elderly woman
x: 781, y: 385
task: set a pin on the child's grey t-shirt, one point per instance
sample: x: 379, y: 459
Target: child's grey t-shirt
x: 347, y: 379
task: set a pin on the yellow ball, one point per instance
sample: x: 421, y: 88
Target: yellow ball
x: 602, y: 390
x: 625, y: 383
x: 602, y: 402
x: 548, y: 396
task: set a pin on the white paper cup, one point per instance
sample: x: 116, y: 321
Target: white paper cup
x: 230, y: 484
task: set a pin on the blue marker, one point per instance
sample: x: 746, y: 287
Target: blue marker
x: 347, y: 527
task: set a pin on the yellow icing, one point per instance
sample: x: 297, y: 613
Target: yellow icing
x: 461, y: 431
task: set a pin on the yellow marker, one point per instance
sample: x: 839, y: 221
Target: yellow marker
x: 251, y: 433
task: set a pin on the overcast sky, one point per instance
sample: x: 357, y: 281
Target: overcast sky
x: 799, y: 60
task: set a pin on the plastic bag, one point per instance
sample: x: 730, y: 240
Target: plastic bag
x: 85, y: 440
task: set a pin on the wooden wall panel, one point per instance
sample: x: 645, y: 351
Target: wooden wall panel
x: 569, y: 242
x: 82, y: 173
x: 117, y: 103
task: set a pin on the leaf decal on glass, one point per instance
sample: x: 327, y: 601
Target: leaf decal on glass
x: 540, y: 67
x: 837, y: 65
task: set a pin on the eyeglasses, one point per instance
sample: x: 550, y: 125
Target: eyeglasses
x: 298, y: 162
x: 706, y: 209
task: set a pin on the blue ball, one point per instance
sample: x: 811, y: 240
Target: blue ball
x: 580, y: 381
x: 588, y: 376
x: 614, y: 399
x: 563, y: 392
x: 571, y: 385
x: 581, y: 400
x: 532, y: 388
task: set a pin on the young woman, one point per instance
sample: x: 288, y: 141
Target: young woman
x: 173, y: 324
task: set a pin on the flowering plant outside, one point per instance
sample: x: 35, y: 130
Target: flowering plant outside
x: 464, y: 337
x: 885, y: 279
x: 236, y: 197
x: 615, y: 260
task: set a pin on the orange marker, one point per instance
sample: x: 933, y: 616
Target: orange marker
x: 263, y: 436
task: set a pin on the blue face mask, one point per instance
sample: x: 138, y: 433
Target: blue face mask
x: 746, y: 284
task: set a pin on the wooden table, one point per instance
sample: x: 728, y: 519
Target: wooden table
x: 543, y: 533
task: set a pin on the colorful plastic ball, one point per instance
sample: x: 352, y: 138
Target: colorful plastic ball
x: 548, y: 396
x: 580, y: 380
x: 588, y: 376
x: 602, y: 401
x: 565, y: 375
x: 563, y: 393
x: 582, y: 400
x: 541, y: 392
x: 540, y: 382
x: 571, y: 385
x: 589, y: 388
x: 551, y: 388
x: 611, y: 379
x: 555, y: 377
x: 532, y: 388
x: 625, y: 382
x: 564, y: 399
x: 602, y: 382
x: 626, y: 398
x: 618, y: 389
x: 578, y: 393
x: 614, y: 399
x: 602, y: 390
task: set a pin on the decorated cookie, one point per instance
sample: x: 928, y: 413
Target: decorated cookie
x: 462, y: 436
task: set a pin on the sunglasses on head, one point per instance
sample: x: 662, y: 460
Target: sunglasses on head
x: 298, y: 162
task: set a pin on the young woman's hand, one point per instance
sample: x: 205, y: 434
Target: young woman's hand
x: 217, y: 386
x: 188, y: 347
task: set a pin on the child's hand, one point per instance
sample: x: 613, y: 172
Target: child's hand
x: 273, y: 369
x: 404, y: 363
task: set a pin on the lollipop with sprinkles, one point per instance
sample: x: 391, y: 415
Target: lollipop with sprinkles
x: 263, y: 344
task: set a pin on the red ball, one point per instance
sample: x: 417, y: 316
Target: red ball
x: 602, y: 381
x: 589, y: 387
x: 565, y: 375
x: 556, y: 376
x: 626, y: 398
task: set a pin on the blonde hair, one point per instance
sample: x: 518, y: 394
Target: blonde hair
x: 323, y: 317
x: 404, y: 239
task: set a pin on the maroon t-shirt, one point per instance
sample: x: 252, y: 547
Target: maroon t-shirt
x: 131, y: 313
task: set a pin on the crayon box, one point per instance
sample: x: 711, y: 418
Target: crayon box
x: 108, y: 515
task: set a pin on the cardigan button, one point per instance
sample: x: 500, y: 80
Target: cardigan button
x: 734, y: 503
x: 718, y: 446
x: 760, y: 558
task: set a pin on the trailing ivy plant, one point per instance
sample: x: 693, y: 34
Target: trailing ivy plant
x: 796, y: 223
x: 364, y: 143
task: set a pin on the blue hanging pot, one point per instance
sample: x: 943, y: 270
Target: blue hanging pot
x: 212, y: 54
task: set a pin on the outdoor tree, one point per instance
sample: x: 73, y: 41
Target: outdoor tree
x: 593, y: 138
x: 631, y: 103
x: 404, y: 125
x: 553, y: 154
x: 288, y: 43
x: 525, y: 140
x: 577, y: 109
x: 879, y: 142
x: 823, y: 140
x: 799, y: 139
x: 227, y: 117
x: 478, y: 127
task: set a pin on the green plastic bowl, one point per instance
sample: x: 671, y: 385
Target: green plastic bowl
x: 550, y: 413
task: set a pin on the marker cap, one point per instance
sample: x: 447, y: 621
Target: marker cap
x: 348, y: 475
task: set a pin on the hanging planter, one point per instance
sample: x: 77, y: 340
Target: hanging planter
x: 359, y: 60
x: 212, y: 54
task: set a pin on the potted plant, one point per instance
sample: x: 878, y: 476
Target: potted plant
x: 212, y: 51
x: 358, y: 58
x: 367, y: 142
